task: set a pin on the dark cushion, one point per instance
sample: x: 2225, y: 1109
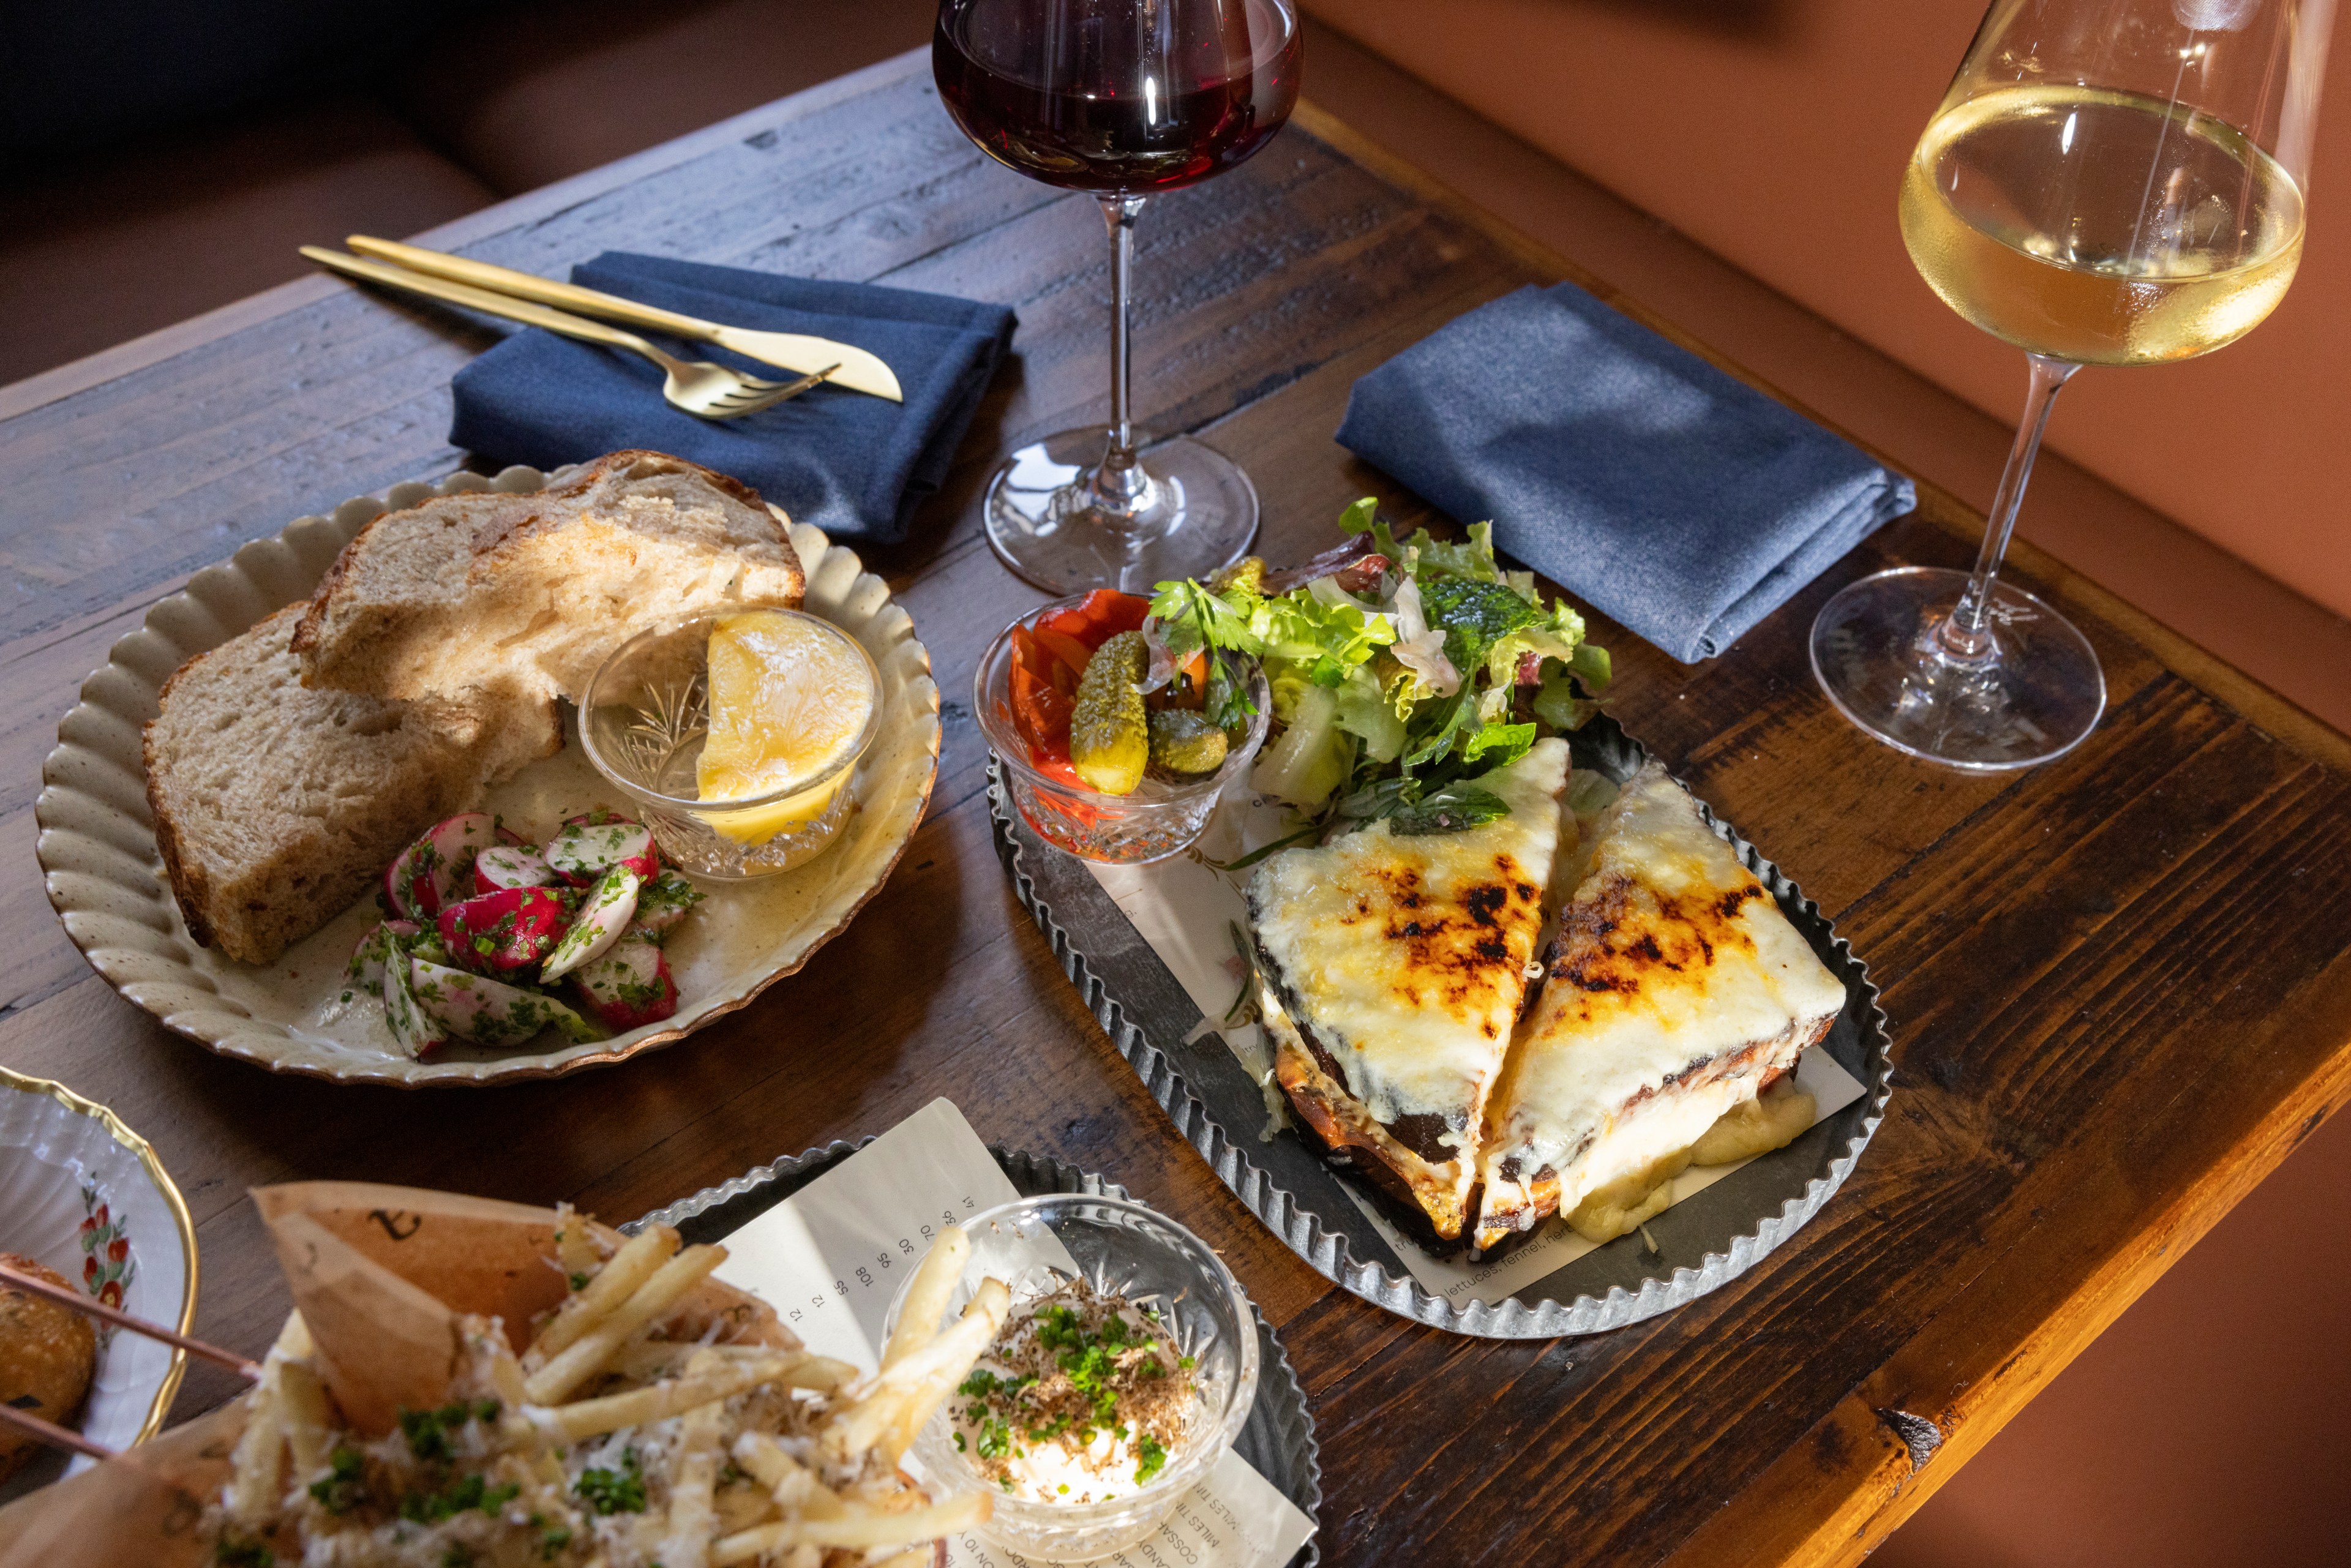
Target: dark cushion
x: 111, y: 246
x: 530, y: 93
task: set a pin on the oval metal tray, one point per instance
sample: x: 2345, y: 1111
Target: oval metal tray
x: 1703, y: 1242
x: 1277, y: 1439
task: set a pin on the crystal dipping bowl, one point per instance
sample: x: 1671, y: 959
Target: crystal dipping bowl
x: 644, y: 721
x: 1159, y: 820
x: 1119, y: 1247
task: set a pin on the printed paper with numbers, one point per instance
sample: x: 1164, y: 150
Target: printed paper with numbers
x: 1189, y: 911
x: 830, y: 1258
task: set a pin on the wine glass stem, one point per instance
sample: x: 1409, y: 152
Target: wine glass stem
x: 1962, y: 636
x: 1120, y: 485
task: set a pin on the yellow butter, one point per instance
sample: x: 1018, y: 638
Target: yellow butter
x: 788, y: 699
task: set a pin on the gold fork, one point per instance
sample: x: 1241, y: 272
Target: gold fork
x: 698, y: 387
x: 857, y: 369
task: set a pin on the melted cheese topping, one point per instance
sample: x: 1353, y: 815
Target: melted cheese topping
x: 1670, y: 957
x: 1407, y: 955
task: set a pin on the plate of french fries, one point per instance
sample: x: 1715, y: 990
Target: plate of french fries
x: 465, y: 1381
x: 1277, y: 1439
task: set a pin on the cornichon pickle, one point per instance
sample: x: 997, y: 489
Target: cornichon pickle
x: 1109, y: 740
x: 1247, y: 572
x: 1182, y: 741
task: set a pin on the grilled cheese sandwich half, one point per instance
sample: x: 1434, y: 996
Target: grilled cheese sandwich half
x: 1391, y: 969
x: 1674, y: 990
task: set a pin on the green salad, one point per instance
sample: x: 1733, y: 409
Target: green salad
x: 1402, y: 671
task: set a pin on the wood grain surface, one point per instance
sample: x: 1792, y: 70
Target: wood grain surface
x: 2120, y: 984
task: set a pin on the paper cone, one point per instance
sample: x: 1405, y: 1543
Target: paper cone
x: 139, y: 1507
x: 381, y: 1275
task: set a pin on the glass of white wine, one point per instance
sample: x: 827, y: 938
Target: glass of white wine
x: 2106, y: 182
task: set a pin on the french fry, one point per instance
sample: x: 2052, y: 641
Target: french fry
x: 793, y: 1486
x: 860, y: 1527
x: 694, y: 1475
x: 563, y: 1423
x: 258, y: 1464
x: 585, y: 1356
x: 926, y: 1298
x: 575, y: 1242
x: 309, y: 1419
x: 611, y: 1286
x: 821, y: 1373
x: 893, y: 1405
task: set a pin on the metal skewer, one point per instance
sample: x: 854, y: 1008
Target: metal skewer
x: 9, y: 1277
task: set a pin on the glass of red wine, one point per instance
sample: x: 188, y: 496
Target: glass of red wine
x: 1122, y: 100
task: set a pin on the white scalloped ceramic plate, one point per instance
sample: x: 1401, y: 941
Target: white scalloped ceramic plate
x: 106, y: 880
x: 84, y: 1195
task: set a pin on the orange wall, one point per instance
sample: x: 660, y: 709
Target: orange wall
x: 1775, y: 131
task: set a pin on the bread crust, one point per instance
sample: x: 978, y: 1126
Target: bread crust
x: 359, y: 636
x: 189, y: 884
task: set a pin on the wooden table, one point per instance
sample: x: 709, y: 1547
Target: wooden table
x: 2120, y: 984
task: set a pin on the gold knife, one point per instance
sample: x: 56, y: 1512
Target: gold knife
x: 857, y: 369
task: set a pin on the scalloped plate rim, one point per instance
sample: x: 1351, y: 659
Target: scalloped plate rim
x: 218, y: 1028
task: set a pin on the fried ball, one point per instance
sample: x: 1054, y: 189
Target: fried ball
x: 47, y: 1355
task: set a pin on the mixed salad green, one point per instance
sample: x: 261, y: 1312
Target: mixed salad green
x: 1400, y: 675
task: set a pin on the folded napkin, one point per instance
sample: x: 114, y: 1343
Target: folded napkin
x: 1677, y: 500
x: 856, y: 467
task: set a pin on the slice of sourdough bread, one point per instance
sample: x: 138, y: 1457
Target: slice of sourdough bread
x: 276, y: 806
x: 535, y: 590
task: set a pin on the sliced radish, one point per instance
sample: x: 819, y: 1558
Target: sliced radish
x: 664, y: 902
x: 583, y: 851
x: 498, y: 932
x: 629, y: 987
x: 427, y: 874
x: 416, y: 1029
x: 502, y: 866
x: 365, y: 971
x: 488, y: 1011
x: 602, y: 915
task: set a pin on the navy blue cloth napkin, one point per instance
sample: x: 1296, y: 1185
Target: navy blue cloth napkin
x: 1682, y: 503
x: 856, y: 467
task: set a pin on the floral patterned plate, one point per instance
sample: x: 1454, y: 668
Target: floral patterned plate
x: 84, y: 1195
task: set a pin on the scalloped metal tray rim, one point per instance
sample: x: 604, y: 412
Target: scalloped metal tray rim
x: 1327, y: 1251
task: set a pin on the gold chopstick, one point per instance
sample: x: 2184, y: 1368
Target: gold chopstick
x: 249, y: 1370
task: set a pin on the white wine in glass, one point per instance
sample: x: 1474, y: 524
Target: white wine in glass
x: 2106, y: 182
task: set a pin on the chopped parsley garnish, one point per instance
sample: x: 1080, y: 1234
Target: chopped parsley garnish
x: 615, y: 1491
x: 428, y: 1431
x: 343, y: 1483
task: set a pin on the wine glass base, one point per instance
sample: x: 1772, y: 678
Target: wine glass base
x: 1200, y: 515
x: 2034, y: 697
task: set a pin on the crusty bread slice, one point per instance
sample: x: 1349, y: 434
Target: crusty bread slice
x: 533, y: 591
x: 276, y: 806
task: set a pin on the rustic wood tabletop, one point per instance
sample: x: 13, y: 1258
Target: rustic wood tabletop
x: 2120, y: 984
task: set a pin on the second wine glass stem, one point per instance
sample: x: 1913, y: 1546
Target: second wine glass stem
x: 1962, y: 636
x: 1120, y: 485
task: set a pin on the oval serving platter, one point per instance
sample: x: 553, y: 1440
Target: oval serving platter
x: 105, y: 878
x: 1702, y: 1242
x: 1277, y: 1439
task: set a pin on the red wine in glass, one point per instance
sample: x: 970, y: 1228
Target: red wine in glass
x: 1121, y: 99
x: 1125, y: 116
